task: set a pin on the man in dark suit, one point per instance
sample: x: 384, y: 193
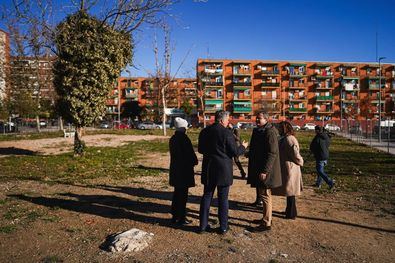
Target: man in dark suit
x: 218, y: 146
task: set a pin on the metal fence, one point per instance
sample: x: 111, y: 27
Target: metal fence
x: 367, y: 132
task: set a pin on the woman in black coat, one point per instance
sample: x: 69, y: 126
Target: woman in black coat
x: 182, y: 161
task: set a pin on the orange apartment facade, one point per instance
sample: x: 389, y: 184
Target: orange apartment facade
x: 313, y: 91
x: 144, y: 93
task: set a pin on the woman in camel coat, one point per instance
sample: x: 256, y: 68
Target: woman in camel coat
x: 290, y: 161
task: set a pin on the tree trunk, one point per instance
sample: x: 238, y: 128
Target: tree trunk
x: 38, y: 124
x: 164, y: 113
x: 203, y: 112
x: 79, y: 144
x: 61, y: 123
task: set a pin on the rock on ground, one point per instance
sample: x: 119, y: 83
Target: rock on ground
x: 132, y: 240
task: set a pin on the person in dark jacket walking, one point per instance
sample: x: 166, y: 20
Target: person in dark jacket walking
x: 182, y: 161
x: 236, y: 133
x: 320, y: 148
x: 264, y: 172
x: 218, y: 146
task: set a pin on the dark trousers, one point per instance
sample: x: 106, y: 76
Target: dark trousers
x: 223, y: 206
x: 238, y: 164
x: 290, y: 211
x: 258, y: 195
x: 179, y: 203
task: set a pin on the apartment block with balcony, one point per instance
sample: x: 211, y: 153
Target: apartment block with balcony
x: 267, y: 94
x: 242, y: 89
x: 144, y: 93
x: 302, y: 90
x: 294, y: 82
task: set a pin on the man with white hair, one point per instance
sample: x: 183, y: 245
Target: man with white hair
x: 218, y: 146
x: 182, y: 161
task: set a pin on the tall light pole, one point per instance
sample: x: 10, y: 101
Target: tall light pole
x: 381, y: 58
x: 341, y: 104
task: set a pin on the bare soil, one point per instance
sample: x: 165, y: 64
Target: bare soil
x: 68, y: 223
x: 60, y: 145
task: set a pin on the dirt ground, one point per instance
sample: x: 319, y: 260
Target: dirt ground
x: 61, y: 145
x: 72, y: 221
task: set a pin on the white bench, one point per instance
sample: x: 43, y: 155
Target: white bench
x: 68, y: 134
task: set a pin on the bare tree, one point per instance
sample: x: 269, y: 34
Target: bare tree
x: 32, y: 23
x: 163, y: 76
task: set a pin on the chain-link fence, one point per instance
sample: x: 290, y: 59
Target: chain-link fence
x: 368, y: 132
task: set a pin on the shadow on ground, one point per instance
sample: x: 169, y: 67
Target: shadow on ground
x: 144, y: 206
x: 16, y: 151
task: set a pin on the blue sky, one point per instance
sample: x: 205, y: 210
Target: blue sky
x: 331, y: 30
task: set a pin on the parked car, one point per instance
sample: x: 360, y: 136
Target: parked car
x: 331, y: 127
x: 120, y: 125
x: 104, y: 125
x: 239, y: 124
x: 248, y: 125
x: 7, y: 127
x: 296, y: 127
x: 43, y: 124
x: 308, y: 127
x: 148, y: 125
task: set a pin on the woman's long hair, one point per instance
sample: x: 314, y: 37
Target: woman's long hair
x: 286, y: 129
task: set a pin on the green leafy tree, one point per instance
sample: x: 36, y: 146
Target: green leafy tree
x: 187, y: 107
x: 91, y: 56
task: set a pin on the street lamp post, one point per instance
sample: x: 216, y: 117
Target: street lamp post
x: 381, y: 58
x: 341, y: 104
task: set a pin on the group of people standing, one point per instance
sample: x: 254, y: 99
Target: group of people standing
x: 274, y: 163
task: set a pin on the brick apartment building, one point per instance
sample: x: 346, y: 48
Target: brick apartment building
x: 304, y: 91
x: 33, y: 75
x: 142, y: 94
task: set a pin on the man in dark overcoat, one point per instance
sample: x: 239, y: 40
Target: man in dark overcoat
x: 218, y: 146
x: 319, y: 146
x: 264, y: 171
x: 182, y: 161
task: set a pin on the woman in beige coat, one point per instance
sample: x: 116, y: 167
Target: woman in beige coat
x: 291, y: 161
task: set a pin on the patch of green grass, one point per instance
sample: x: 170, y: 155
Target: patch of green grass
x: 115, y: 163
x: 51, y: 218
x: 7, y: 229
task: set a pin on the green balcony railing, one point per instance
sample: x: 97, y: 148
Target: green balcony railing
x: 297, y: 109
x: 242, y: 109
x: 324, y: 97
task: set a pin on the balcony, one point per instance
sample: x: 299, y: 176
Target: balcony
x: 297, y: 99
x: 266, y: 99
x: 324, y: 111
x: 324, y: 76
x: 297, y: 87
x: 131, y: 93
x: 297, y: 110
x: 321, y: 87
x: 297, y: 76
x: 242, y: 107
x: 213, y: 105
x: 324, y: 98
x: 213, y: 84
x: 270, y: 84
x: 350, y: 101
x: 270, y: 72
x: 213, y: 72
x: 241, y: 83
x: 241, y: 72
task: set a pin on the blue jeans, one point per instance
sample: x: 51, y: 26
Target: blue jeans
x: 321, y: 173
x: 223, y: 206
